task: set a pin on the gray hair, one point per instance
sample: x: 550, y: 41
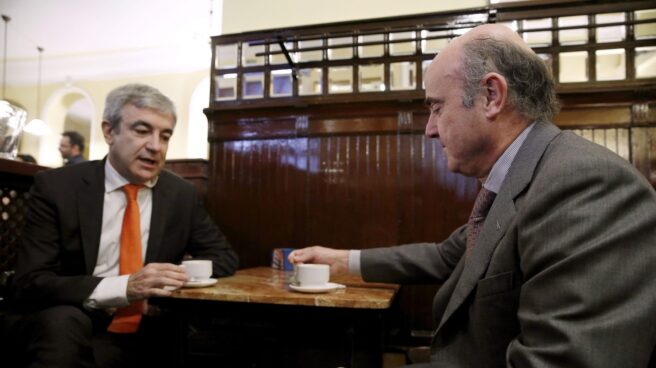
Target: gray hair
x: 531, y: 87
x: 139, y: 95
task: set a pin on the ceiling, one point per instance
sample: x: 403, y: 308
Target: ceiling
x: 100, y: 39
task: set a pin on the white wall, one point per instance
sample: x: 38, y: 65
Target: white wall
x: 249, y: 15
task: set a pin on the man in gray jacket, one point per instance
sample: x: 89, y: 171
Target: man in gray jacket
x: 556, y: 269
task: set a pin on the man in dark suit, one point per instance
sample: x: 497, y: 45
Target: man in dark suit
x: 556, y: 270
x: 71, y: 147
x: 71, y: 283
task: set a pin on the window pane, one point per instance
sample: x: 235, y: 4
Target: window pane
x: 433, y: 42
x: 512, y: 25
x: 573, y: 66
x: 424, y: 66
x: 402, y: 48
x: 253, y: 85
x: 226, y: 56
x: 225, y: 87
x: 538, y: 38
x: 340, y: 79
x: 647, y: 30
x: 372, y: 78
x: 371, y: 50
x: 548, y: 59
x: 573, y: 36
x: 309, y: 81
x: 611, y: 64
x: 248, y: 53
x: 276, y: 59
x: 403, y: 75
x: 341, y: 52
x: 281, y: 83
x: 612, y: 33
x: 310, y: 55
x: 645, y: 62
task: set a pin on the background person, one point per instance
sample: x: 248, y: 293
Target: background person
x: 82, y: 303
x: 71, y: 147
x: 555, y: 266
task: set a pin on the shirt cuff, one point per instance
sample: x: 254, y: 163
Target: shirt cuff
x: 354, y: 262
x: 111, y: 292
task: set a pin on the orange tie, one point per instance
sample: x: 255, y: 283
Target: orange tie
x: 126, y: 319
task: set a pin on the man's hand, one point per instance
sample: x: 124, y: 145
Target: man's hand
x: 337, y: 259
x: 153, y: 278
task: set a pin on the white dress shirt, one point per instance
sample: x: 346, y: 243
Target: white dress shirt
x: 111, y: 292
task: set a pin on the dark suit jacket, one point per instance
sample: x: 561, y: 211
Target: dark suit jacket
x: 562, y: 274
x: 75, y: 160
x: 60, y: 240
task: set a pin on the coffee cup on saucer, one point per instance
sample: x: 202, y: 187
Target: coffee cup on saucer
x: 311, y: 275
x: 198, y: 269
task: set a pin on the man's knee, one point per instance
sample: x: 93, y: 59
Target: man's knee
x: 62, y: 322
x: 55, y: 336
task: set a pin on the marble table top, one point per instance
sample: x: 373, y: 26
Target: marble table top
x: 271, y: 286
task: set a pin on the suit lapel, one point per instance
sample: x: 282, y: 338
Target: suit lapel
x: 90, y: 209
x: 501, y: 214
x: 160, y: 210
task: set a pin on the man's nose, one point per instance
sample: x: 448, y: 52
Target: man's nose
x: 154, y: 143
x: 431, y: 130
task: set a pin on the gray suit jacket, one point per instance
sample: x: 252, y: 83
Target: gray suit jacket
x: 562, y: 274
x: 61, y: 237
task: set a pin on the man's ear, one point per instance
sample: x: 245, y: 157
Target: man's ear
x: 107, y: 131
x: 496, y: 93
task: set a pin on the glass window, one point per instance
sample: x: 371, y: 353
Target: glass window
x: 366, y: 51
x: 611, y: 64
x: 309, y: 81
x: 646, y: 30
x: 226, y: 56
x: 340, y: 53
x: 433, y: 42
x: 405, y: 44
x: 340, y: 79
x: 281, y: 83
x: 537, y: 38
x: 512, y: 25
x: 315, y: 55
x: 253, y: 85
x: 226, y: 87
x: 424, y: 66
x: 610, y: 33
x: 249, y: 54
x: 573, y: 36
x: 276, y: 59
x: 403, y: 75
x: 548, y: 59
x: 645, y: 62
x: 573, y: 67
x: 372, y: 78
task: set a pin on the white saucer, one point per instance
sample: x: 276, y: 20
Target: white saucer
x: 317, y: 289
x: 200, y: 283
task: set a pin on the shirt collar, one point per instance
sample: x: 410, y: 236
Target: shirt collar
x: 502, y: 165
x: 114, y: 180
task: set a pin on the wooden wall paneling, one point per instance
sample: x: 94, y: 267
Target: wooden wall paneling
x: 352, y: 191
x: 257, y: 196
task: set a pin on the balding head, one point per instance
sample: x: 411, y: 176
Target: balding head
x: 498, y: 49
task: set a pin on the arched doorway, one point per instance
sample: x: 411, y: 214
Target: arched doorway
x: 69, y: 108
x: 197, y: 146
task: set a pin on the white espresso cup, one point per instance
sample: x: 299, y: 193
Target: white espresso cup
x: 311, y: 275
x: 198, y: 269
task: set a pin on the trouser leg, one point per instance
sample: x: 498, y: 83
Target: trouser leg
x: 54, y: 337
